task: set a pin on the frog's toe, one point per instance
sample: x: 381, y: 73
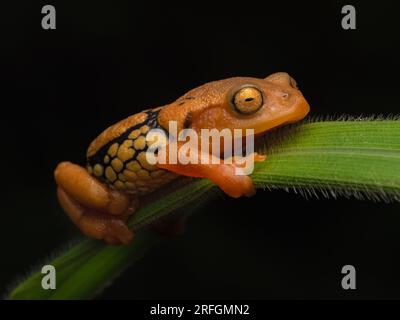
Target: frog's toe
x: 244, y: 186
x: 235, y: 185
x: 118, y: 230
x: 259, y: 157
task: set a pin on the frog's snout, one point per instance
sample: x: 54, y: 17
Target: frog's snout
x: 301, y: 110
x: 282, y: 78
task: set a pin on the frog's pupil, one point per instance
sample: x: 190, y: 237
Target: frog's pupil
x: 249, y: 99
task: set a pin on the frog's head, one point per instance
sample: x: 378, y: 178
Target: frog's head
x: 240, y: 103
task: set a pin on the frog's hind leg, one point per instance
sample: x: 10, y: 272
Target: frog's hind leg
x: 97, y: 210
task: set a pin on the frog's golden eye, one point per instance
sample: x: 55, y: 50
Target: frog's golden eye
x: 247, y: 100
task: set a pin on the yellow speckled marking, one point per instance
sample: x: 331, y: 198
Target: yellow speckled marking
x: 143, y: 161
x: 133, y: 166
x: 110, y: 174
x: 134, y: 134
x: 144, y: 129
x: 140, y: 143
x: 98, y: 170
x: 112, y: 151
x: 125, y: 167
x: 125, y: 153
x: 117, y: 164
x: 119, y: 185
x: 127, y: 143
x: 143, y: 174
x: 130, y: 175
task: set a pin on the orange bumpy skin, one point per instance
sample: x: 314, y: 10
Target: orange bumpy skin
x: 100, y: 198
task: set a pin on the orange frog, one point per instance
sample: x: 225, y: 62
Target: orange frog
x: 100, y: 198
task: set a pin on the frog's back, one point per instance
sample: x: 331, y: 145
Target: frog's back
x: 118, y: 156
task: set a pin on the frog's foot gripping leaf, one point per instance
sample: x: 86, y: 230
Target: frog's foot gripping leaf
x: 97, y: 210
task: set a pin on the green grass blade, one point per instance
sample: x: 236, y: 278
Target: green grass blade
x: 88, y: 266
x: 360, y: 158
x: 350, y: 158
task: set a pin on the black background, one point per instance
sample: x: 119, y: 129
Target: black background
x: 108, y: 60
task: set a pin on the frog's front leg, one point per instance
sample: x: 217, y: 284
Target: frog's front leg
x: 223, y: 174
x: 100, y: 212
